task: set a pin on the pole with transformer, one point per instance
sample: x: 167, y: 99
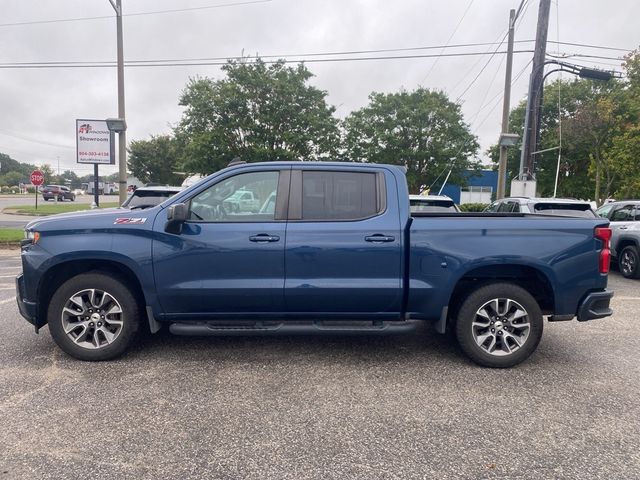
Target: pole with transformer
x: 527, y: 160
x: 502, y: 163
x: 122, y: 136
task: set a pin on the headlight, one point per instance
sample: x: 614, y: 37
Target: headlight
x: 31, y: 235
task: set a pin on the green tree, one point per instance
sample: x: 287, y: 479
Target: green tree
x: 258, y: 112
x: 589, y: 114
x: 69, y: 177
x: 47, y: 171
x: 13, y: 178
x: 421, y: 130
x: 8, y: 164
x: 155, y: 160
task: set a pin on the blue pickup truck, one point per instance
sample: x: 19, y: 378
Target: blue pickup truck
x: 324, y: 248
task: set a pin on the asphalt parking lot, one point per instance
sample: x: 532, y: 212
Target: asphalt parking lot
x: 322, y: 407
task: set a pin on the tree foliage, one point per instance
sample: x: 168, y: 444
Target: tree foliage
x: 421, y: 130
x: 155, y: 160
x: 597, y: 122
x: 258, y: 112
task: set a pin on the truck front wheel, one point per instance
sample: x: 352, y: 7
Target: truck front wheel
x: 499, y: 325
x: 94, y: 317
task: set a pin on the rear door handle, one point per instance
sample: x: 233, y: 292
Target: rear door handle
x: 263, y: 238
x: 378, y: 238
x: 623, y: 228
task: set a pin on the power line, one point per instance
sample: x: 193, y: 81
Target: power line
x: 219, y: 63
x: 602, y: 47
x: 312, y: 54
x: 449, y: 40
x: 157, y: 12
x: 484, y: 67
x: 27, y: 139
x: 582, y: 55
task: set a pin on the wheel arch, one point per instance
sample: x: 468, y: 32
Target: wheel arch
x: 59, y: 273
x: 625, y: 242
x: 537, y: 282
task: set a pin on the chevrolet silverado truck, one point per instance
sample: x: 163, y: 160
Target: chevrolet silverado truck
x: 338, y: 251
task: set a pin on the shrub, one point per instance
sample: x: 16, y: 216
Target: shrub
x: 473, y: 207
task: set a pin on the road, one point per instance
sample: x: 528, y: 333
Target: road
x: 19, y: 221
x: 399, y: 407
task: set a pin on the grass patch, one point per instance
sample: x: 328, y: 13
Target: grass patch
x: 11, y: 234
x: 51, y: 208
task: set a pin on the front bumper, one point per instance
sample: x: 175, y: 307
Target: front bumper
x: 595, y: 305
x: 27, y: 309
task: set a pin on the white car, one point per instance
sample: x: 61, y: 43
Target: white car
x: 432, y: 203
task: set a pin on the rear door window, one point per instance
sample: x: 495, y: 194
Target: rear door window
x: 336, y: 195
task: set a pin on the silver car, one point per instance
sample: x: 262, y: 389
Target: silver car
x: 625, y: 234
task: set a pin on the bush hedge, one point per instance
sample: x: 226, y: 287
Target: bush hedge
x: 473, y: 207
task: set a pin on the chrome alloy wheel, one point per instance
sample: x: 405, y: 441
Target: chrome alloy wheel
x: 501, y: 326
x: 627, y: 262
x: 92, y: 318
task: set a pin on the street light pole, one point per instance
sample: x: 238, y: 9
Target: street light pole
x: 122, y: 136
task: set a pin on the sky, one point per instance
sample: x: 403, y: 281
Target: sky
x: 38, y: 106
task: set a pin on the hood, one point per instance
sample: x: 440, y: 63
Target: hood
x: 100, y: 218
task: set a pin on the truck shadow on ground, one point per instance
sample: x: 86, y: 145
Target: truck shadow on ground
x: 424, y: 346
x: 425, y: 342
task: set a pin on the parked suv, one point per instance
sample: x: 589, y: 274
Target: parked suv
x: 565, y: 207
x: 147, y: 197
x: 625, y: 234
x: 51, y: 192
x: 432, y: 203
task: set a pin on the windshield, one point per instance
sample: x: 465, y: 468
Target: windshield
x: 147, y: 198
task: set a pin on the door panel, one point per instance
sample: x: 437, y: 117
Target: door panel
x: 226, y: 260
x: 217, y: 268
x: 343, y: 266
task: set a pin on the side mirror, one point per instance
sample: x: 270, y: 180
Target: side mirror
x: 176, y: 216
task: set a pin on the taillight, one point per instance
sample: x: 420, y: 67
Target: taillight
x: 604, y: 234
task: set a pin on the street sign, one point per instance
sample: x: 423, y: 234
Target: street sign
x: 94, y: 142
x: 37, y: 177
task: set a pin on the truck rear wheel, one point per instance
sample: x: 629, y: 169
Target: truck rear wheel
x: 93, y: 317
x: 499, y: 325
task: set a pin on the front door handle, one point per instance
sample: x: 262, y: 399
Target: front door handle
x: 378, y: 238
x: 263, y: 238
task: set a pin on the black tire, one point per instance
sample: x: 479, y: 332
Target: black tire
x: 506, y: 335
x: 629, y: 262
x: 97, y: 345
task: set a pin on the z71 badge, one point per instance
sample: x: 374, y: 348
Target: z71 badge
x: 130, y: 221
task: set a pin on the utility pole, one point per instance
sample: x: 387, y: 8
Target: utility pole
x: 534, y: 98
x: 502, y: 164
x: 122, y: 135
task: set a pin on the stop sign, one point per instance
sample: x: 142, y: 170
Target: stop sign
x: 37, y: 177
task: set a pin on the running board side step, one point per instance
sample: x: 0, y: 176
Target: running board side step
x: 308, y: 328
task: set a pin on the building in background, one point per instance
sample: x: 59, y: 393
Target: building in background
x: 479, y: 188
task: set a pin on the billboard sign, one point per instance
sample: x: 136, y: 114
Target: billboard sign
x: 94, y: 142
